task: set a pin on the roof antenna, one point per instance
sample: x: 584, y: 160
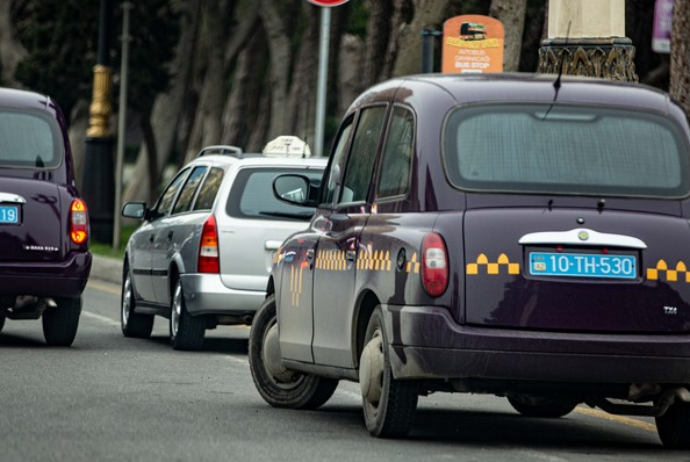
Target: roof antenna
x: 557, y: 83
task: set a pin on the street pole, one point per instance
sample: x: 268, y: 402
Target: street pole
x: 98, y: 183
x: 121, y: 122
x: 323, y: 77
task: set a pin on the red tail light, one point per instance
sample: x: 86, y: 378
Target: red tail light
x: 208, y: 248
x: 78, y: 222
x: 434, y: 265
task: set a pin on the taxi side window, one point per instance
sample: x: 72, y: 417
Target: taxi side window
x: 394, y: 177
x: 166, y: 200
x: 190, y: 187
x: 360, y: 165
x: 337, y: 164
x: 209, y: 190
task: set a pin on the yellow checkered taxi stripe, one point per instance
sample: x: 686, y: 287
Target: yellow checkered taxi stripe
x: 501, y: 266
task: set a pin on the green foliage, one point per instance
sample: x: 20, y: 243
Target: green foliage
x: 357, y: 18
x: 61, y: 37
x: 154, y: 30
x: 107, y: 250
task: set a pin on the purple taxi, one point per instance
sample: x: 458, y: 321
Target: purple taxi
x: 44, y: 227
x: 501, y: 234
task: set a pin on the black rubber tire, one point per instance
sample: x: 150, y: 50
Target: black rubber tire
x: 60, y: 324
x: 2, y: 322
x: 303, y: 391
x: 541, y: 407
x: 674, y: 426
x: 392, y: 414
x: 190, y: 329
x: 133, y: 324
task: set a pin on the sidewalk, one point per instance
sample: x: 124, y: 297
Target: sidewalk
x: 106, y: 269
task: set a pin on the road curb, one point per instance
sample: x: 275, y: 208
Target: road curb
x: 106, y: 269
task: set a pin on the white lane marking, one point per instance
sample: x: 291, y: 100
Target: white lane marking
x: 110, y: 322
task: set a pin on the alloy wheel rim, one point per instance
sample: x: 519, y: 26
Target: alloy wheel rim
x: 126, y: 302
x: 176, y: 311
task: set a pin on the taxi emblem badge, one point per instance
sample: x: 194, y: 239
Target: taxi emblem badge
x: 583, y: 235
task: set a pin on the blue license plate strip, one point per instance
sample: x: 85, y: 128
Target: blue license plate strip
x: 9, y: 214
x: 583, y: 265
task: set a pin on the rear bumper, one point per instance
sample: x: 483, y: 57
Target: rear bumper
x: 426, y: 343
x: 206, y: 294
x: 66, y: 278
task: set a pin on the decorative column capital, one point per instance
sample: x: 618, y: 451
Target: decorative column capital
x: 607, y: 57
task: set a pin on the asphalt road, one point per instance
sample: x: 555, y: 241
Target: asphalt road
x: 110, y: 398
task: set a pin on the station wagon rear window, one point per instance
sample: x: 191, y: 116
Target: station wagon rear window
x: 563, y: 149
x: 252, y: 195
x: 28, y: 140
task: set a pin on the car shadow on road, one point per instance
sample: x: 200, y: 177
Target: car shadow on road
x: 13, y: 341
x: 213, y: 344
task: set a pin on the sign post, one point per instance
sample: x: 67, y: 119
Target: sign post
x: 473, y: 44
x: 323, y: 68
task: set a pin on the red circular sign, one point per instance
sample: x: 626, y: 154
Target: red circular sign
x: 328, y: 2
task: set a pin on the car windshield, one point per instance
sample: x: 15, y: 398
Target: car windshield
x: 28, y: 140
x: 565, y: 150
x: 252, y: 195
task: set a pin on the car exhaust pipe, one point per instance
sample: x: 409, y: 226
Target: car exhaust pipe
x: 659, y: 408
x: 29, y: 307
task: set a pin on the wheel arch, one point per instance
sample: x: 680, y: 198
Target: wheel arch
x: 364, y: 307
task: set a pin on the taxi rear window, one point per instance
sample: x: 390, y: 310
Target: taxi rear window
x: 28, y: 140
x: 565, y: 149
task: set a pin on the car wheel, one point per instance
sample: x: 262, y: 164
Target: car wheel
x: 2, y: 322
x: 133, y: 324
x: 389, y: 404
x: 281, y: 387
x: 60, y: 323
x: 674, y: 426
x: 540, y: 406
x: 186, y: 332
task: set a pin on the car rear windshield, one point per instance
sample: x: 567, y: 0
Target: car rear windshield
x: 28, y: 140
x: 565, y: 150
x: 252, y: 195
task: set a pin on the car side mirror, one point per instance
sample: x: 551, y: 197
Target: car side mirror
x: 294, y: 189
x: 135, y: 210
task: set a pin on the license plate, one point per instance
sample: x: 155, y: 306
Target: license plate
x: 583, y: 265
x: 9, y: 214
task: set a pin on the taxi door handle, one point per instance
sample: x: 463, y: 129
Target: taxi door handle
x: 170, y: 235
x: 350, y: 255
x: 310, y: 255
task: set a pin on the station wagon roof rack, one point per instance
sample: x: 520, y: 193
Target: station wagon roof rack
x: 223, y: 150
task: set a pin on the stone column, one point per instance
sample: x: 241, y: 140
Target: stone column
x: 587, y: 37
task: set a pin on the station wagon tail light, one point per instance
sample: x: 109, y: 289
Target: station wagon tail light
x: 208, y: 248
x: 78, y: 222
x: 434, y: 265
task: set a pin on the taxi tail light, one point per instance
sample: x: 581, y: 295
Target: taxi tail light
x: 434, y: 265
x: 78, y: 222
x: 208, y: 248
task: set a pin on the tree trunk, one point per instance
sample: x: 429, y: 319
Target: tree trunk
x: 680, y: 54
x: 151, y: 155
x: 512, y: 14
x: 405, y: 46
x: 279, y: 69
x: 166, y: 117
x: 301, y: 108
x: 242, y: 105
x: 376, y: 41
x: 11, y: 50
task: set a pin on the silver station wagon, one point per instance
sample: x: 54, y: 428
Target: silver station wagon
x: 204, y: 252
